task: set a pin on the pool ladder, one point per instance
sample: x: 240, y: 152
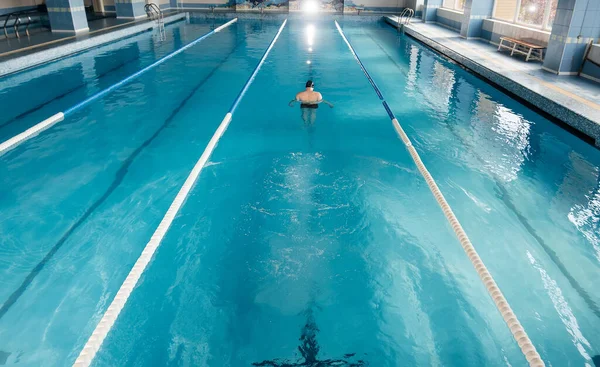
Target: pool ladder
x: 17, y: 22
x: 153, y: 11
x: 404, y: 18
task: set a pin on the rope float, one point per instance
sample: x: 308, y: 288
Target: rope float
x: 92, y: 346
x: 511, y: 320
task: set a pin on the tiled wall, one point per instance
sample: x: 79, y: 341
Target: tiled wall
x: 475, y: 12
x: 109, y: 6
x: 430, y: 8
x: 576, y: 23
x: 9, y: 6
x: 204, y: 4
x: 449, y: 18
x: 494, y: 29
x: 590, y: 70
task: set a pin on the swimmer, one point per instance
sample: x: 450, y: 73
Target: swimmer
x: 309, y: 102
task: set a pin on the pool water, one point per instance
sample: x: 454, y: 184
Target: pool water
x: 300, y: 244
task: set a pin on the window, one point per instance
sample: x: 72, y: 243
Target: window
x: 454, y: 4
x: 532, y: 13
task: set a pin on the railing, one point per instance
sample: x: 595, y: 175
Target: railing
x: 19, y: 17
x: 153, y: 11
x: 405, y: 17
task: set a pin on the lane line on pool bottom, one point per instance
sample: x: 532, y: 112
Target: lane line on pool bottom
x: 517, y: 330
x: 54, y: 119
x: 93, y: 344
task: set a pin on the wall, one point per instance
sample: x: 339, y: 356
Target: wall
x: 9, y: 6
x: 349, y: 6
x: 416, y: 5
x: 494, y: 29
x: 591, y: 71
x: 205, y: 4
x: 449, y: 18
x: 109, y: 6
x: 374, y: 6
x: 576, y: 23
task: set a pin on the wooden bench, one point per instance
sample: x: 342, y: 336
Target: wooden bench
x: 527, y: 47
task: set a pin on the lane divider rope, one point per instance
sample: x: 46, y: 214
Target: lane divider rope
x: 49, y: 122
x: 89, y: 351
x: 515, y: 327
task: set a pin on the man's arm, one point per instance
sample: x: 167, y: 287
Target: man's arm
x: 291, y: 103
x: 321, y: 100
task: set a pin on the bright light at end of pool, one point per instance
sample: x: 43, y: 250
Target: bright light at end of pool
x: 308, y: 62
x: 311, y: 6
x: 310, y: 49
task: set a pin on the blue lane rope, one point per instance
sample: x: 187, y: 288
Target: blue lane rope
x: 364, y: 70
x: 104, y: 92
x: 251, y: 78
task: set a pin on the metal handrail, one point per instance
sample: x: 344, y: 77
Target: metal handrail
x: 404, y: 18
x: 408, y: 13
x: 153, y: 11
x: 18, y: 22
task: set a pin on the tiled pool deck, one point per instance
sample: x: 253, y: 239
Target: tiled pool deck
x: 571, y: 99
x: 44, y: 46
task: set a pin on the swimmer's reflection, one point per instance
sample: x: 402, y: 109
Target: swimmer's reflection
x: 309, y: 349
x: 309, y: 102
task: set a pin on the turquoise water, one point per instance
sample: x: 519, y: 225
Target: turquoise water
x: 299, y: 245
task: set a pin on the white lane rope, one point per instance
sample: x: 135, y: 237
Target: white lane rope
x: 515, y: 327
x: 92, y: 346
x: 31, y: 132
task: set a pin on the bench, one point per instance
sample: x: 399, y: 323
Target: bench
x: 527, y: 47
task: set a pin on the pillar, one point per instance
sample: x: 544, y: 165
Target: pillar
x: 130, y: 9
x: 575, y: 24
x: 430, y: 8
x: 474, y: 13
x: 67, y: 16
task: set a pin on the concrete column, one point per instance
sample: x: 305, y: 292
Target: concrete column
x: 417, y: 6
x: 430, y: 8
x: 67, y: 15
x: 474, y: 14
x: 130, y: 9
x: 576, y: 23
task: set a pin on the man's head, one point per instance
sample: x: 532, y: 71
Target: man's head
x: 310, y: 85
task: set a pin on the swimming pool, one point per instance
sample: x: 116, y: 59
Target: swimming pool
x: 298, y: 243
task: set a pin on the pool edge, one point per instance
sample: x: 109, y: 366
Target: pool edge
x: 568, y: 119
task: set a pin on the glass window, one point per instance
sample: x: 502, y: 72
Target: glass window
x: 532, y: 12
x: 535, y: 13
x: 506, y: 10
x: 454, y: 4
x: 552, y: 14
